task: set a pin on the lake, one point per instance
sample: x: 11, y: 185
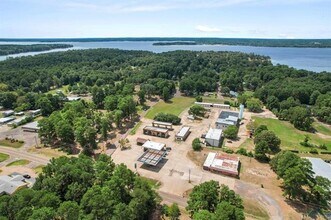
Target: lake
x: 315, y: 59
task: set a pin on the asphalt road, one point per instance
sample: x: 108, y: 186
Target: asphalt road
x: 170, y: 198
x: 16, y: 153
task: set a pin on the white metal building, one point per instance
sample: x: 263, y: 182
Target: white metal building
x: 214, y: 137
x: 151, y: 145
x: 183, y: 133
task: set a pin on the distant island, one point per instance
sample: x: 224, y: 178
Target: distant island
x: 174, y: 43
x: 7, y: 49
x: 159, y: 41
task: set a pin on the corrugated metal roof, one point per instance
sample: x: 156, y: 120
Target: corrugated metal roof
x: 214, y: 134
x: 320, y: 167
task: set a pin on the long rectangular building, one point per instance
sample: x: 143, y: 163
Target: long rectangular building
x: 222, y: 163
x: 155, y: 131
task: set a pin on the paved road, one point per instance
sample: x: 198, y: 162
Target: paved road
x: 170, y: 198
x: 24, y: 155
x: 252, y: 192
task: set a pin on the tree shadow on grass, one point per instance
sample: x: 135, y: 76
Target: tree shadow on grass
x: 304, y: 209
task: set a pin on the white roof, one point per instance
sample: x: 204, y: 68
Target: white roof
x: 153, y: 145
x: 183, y: 131
x: 162, y: 123
x: 320, y: 167
x: 209, y: 160
x: 9, y: 112
x: 31, y: 125
x: 203, y: 103
x: 6, y: 119
x: 222, y: 105
x: 214, y: 134
x: 18, y: 120
x: 35, y: 111
x: 73, y: 98
x: 151, y: 128
x: 10, y: 184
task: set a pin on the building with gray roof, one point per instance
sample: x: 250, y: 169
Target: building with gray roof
x: 227, y: 118
x: 320, y: 167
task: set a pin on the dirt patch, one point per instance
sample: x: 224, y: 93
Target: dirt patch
x: 197, y: 157
x: 48, y: 152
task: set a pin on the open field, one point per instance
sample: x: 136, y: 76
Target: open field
x: 254, y: 210
x: 3, y: 157
x: 18, y: 163
x: 46, y: 151
x: 64, y: 90
x: 175, y: 106
x: 290, y: 136
x: 321, y: 128
x: 8, y: 143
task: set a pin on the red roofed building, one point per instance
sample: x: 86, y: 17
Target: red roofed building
x: 222, y: 163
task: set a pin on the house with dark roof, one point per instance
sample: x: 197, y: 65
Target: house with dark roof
x: 227, y: 118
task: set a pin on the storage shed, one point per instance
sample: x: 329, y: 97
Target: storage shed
x: 183, y: 133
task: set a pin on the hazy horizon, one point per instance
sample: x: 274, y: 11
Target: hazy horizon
x: 263, y: 19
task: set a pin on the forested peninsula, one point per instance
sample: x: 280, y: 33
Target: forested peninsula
x: 7, y: 49
x: 163, y: 41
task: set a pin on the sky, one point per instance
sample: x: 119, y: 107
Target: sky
x: 166, y: 18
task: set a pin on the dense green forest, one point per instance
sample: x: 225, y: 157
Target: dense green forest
x: 6, y: 49
x: 317, y: 43
x: 292, y: 94
x: 81, y: 188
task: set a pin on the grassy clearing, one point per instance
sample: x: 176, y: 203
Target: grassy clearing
x: 153, y: 183
x: 8, y: 143
x: 213, y: 99
x: 135, y: 128
x: 321, y: 128
x: 64, y: 90
x: 3, y: 157
x: 254, y: 210
x: 175, y: 106
x: 48, y: 152
x: 38, y: 169
x: 248, y: 144
x: 18, y: 163
x: 290, y: 136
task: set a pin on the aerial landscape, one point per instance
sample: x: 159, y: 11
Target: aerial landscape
x: 147, y: 110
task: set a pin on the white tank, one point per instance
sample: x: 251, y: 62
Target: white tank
x: 241, y: 111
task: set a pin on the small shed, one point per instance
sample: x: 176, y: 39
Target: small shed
x: 8, y: 113
x: 183, y: 133
x: 31, y: 127
x: 214, y: 137
x: 6, y: 120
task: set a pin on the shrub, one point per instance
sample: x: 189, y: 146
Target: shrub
x: 165, y: 117
x: 228, y: 151
x: 198, y: 99
x: 242, y: 151
x: 196, y: 144
x: 231, y: 132
x: 313, y: 151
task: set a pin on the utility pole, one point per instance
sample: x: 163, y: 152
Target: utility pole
x: 189, y: 175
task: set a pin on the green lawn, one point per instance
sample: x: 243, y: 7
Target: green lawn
x: 3, y: 157
x: 18, y: 163
x: 64, y: 90
x: 8, y: 143
x: 254, y: 210
x: 319, y: 127
x: 38, y: 169
x: 135, y: 128
x: 175, y: 106
x: 290, y: 136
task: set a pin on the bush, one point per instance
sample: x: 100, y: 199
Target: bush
x: 196, y: 144
x: 165, y: 117
x: 231, y: 132
x: 198, y: 99
x: 242, y: 151
x: 313, y: 151
x: 228, y: 151
x: 323, y: 147
x: 325, y: 152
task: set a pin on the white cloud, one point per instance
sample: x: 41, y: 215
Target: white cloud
x: 204, y: 28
